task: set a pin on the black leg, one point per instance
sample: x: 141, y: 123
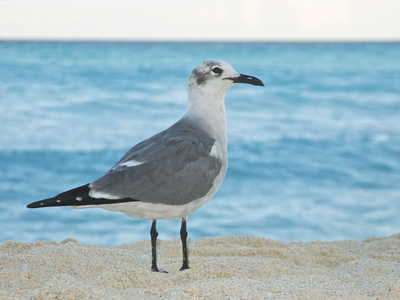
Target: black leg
x: 154, y: 234
x: 184, y: 234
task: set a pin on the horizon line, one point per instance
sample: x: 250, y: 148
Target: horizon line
x: 212, y: 40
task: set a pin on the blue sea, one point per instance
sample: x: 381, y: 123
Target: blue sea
x: 315, y: 155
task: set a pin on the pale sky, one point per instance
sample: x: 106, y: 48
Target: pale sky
x: 200, y: 20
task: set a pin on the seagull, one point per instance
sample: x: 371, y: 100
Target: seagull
x: 175, y: 172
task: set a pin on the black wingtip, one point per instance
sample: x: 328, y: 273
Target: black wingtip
x: 32, y: 205
x: 36, y: 204
x: 76, y: 197
x: 45, y: 203
x: 68, y: 198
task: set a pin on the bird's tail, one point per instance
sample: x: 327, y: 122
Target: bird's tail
x: 76, y: 197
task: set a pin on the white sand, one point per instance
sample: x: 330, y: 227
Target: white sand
x: 221, y: 268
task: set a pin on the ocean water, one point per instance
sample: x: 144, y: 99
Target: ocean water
x: 315, y: 155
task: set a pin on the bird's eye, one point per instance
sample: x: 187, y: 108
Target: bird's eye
x: 216, y: 70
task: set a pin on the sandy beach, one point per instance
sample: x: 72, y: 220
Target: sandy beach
x: 236, y: 267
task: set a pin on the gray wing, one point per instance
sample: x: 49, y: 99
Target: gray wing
x: 173, y: 167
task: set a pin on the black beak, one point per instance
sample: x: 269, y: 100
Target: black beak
x: 246, y: 79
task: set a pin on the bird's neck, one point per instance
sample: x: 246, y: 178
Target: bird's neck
x: 208, y: 110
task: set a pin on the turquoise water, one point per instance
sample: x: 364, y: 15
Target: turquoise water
x: 315, y: 155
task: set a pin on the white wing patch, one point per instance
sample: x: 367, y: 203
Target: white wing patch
x: 217, y: 152
x: 101, y: 195
x: 129, y: 163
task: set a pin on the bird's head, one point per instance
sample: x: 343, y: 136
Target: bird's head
x: 217, y: 75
